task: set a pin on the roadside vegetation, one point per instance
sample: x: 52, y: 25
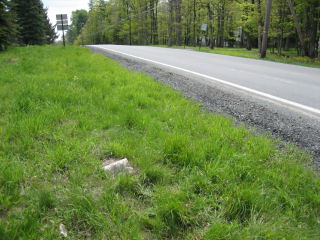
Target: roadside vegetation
x: 197, y: 176
x: 289, y: 57
x: 230, y: 24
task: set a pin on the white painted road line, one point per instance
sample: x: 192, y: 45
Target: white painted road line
x: 266, y: 95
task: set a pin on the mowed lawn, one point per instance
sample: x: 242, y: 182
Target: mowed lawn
x: 197, y: 176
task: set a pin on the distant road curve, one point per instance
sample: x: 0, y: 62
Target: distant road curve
x: 291, y: 85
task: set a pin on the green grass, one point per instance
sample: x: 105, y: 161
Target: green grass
x: 289, y: 58
x: 197, y: 175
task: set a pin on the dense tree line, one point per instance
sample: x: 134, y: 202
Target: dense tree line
x: 24, y: 23
x: 6, y: 24
x: 277, y: 24
x: 78, y: 19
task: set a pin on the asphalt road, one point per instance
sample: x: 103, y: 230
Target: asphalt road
x: 296, y: 86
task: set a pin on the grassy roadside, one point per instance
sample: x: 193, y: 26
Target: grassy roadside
x: 198, y: 177
x: 241, y: 52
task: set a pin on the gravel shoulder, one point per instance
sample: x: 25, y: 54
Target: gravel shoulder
x: 255, y: 112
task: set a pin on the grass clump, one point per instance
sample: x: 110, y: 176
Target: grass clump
x: 196, y: 175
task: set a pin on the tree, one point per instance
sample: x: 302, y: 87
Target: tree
x: 260, y: 24
x: 78, y: 20
x: 171, y: 22
x: 264, y: 44
x: 245, y: 23
x: 127, y: 5
x: 50, y: 33
x: 33, y: 24
x: 297, y: 25
x: 308, y: 17
x: 6, y: 25
x: 154, y: 20
x: 211, y: 40
x: 174, y: 25
x: 249, y: 22
x: 178, y: 26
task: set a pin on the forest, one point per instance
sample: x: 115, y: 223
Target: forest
x: 24, y: 23
x: 278, y: 24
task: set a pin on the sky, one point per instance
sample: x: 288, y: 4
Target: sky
x: 63, y: 7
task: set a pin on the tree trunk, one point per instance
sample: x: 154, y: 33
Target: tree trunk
x: 219, y: 29
x: 281, y: 12
x: 260, y: 24
x: 130, y: 27
x: 280, y: 41
x: 178, y: 21
x: 221, y: 13
x: 298, y: 27
x: 171, y: 22
x: 286, y: 47
x: 156, y: 38
x: 313, y: 16
x: 194, y: 23
x: 188, y: 24
x: 222, y: 25
x: 151, y: 21
x: 211, y: 41
x: 264, y: 44
x: 249, y: 47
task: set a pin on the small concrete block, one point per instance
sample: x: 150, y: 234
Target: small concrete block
x: 117, y: 166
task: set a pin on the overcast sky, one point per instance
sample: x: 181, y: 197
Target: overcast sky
x: 63, y: 7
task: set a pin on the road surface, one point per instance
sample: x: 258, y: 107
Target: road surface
x: 296, y: 86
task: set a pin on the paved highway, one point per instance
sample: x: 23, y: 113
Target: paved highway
x: 293, y: 85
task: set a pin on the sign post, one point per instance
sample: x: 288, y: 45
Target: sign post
x: 62, y: 25
x: 204, y: 27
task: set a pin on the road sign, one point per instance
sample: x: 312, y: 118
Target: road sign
x: 65, y: 27
x: 204, y: 27
x: 65, y: 22
x: 61, y: 16
x: 62, y: 25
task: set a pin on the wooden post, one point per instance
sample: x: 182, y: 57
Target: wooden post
x: 64, y: 41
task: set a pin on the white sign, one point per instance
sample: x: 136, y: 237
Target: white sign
x: 204, y: 27
x: 65, y: 22
x: 65, y: 27
x: 62, y: 19
x: 63, y: 16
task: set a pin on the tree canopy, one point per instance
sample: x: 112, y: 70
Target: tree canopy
x: 7, y: 27
x: 78, y: 20
x: 230, y: 23
x: 24, y: 22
